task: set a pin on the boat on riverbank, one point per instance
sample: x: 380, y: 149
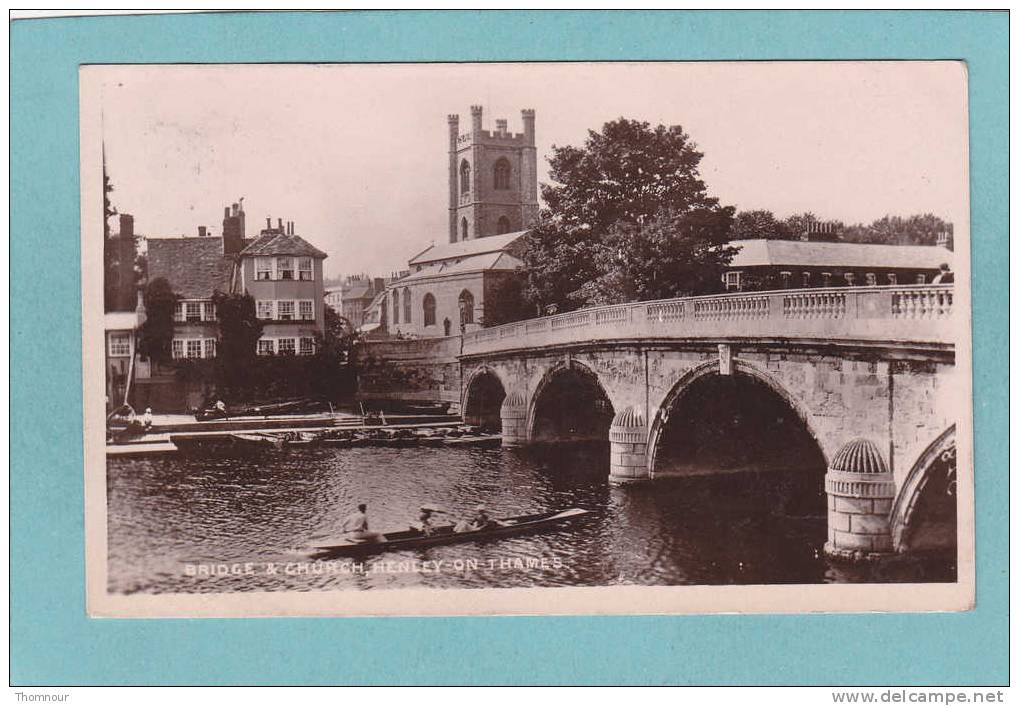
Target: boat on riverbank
x: 444, y: 534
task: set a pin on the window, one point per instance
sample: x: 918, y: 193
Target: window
x: 786, y: 276
x: 210, y: 348
x: 446, y: 326
x: 466, y: 307
x: 921, y: 279
x: 465, y: 177
x: 826, y: 279
x: 463, y: 229
x: 502, y: 174
x: 178, y: 312
x: 893, y: 278
x: 503, y: 226
x: 286, y: 346
x: 806, y: 279
x: 263, y: 268
x: 871, y: 279
x: 396, y: 307
x: 265, y: 346
x: 406, y: 305
x: 307, y: 346
x: 307, y: 309
x: 209, y: 311
x: 733, y: 280
x: 265, y: 308
x: 120, y: 344
x: 304, y: 267
x: 194, y: 348
x: 850, y: 278
x: 285, y: 310
x: 177, y: 348
x: 193, y: 311
x: 284, y: 268
x: 428, y: 309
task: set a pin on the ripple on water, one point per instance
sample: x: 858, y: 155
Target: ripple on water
x: 166, y: 514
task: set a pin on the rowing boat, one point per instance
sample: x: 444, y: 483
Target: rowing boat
x: 413, y: 538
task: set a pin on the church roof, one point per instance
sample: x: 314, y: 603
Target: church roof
x: 282, y: 244
x: 466, y: 248
x: 797, y: 253
x: 475, y: 263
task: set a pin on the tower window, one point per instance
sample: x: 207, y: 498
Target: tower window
x: 428, y: 309
x: 466, y: 307
x: 465, y: 177
x: 503, y: 226
x: 502, y: 174
x: 463, y: 229
x: 406, y: 305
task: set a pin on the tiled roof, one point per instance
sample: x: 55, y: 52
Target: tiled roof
x: 282, y: 244
x: 357, y: 290
x: 486, y: 262
x: 194, y: 267
x: 804, y: 254
x: 465, y: 248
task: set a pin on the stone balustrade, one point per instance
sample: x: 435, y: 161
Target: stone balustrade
x: 894, y: 314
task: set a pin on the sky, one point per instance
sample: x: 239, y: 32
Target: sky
x: 356, y: 154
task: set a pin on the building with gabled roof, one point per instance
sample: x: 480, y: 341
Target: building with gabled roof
x: 278, y: 268
x: 786, y: 264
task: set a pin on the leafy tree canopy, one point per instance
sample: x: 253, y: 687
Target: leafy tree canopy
x: 156, y: 332
x: 629, y: 180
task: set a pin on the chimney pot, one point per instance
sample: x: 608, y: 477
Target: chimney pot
x: 280, y: 221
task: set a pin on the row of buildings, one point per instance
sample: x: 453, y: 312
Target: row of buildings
x: 445, y: 288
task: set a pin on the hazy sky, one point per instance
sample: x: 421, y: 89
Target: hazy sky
x: 356, y: 155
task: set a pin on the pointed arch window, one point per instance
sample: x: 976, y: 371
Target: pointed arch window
x: 406, y: 305
x: 502, y: 174
x: 503, y: 226
x: 463, y: 229
x: 428, y: 309
x: 466, y: 302
x: 465, y: 177
x: 396, y: 307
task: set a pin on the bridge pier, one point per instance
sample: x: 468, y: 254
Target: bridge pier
x: 860, y: 494
x: 514, y: 420
x: 628, y: 448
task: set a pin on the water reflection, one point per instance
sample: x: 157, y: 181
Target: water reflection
x: 168, y: 514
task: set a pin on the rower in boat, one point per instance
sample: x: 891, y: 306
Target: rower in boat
x: 355, y: 526
x: 425, y: 525
x: 480, y: 521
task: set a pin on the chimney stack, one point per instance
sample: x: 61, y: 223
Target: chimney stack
x: 233, y: 230
x: 126, y: 254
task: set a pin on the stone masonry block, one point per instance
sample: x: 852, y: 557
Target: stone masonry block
x: 839, y: 521
x: 632, y: 460
x: 882, y: 506
x: 861, y: 506
x: 848, y: 540
x: 868, y: 524
x: 882, y: 542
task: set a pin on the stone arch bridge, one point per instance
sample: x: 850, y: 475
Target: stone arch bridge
x: 861, y: 380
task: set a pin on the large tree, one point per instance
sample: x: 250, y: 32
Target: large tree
x: 156, y: 332
x: 626, y: 180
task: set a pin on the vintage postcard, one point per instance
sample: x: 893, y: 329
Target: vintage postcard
x: 526, y: 338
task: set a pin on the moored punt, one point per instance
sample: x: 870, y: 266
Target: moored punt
x: 444, y: 534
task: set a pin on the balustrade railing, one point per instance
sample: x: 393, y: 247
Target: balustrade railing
x: 887, y: 313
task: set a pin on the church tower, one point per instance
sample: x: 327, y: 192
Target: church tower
x: 493, y: 178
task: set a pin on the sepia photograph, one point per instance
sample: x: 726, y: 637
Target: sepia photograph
x: 540, y: 338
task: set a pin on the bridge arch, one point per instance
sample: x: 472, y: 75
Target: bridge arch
x: 757, y: 383
x: 569, y: 403
x: 924, y: 514
x: 483, y: 395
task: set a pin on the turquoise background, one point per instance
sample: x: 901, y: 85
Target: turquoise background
x: 52, y: 640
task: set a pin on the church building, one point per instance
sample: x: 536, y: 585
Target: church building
x: 493, y: 199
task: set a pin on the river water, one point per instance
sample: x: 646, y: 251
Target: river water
x: 179, y: 524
